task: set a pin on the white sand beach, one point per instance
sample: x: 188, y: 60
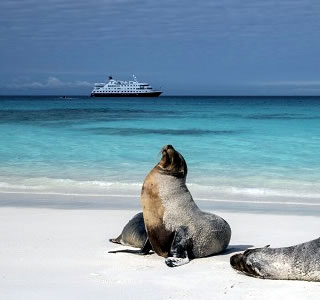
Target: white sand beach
x: 49, y: 253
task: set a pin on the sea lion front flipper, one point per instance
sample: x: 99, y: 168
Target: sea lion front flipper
x: 178, y: 255
x: 143, y: 251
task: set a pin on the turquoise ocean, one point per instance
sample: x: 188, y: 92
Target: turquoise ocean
x: 248, y: 149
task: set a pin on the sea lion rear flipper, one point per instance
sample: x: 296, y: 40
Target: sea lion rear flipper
x: 116, y: 240
x: 178, y: 255
x: 143, y: 251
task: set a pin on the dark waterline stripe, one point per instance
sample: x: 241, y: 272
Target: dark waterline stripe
x: 143, y: 131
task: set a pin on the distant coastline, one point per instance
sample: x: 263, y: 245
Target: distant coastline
x: 168, y: 96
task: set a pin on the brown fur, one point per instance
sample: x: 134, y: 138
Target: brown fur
x: 153, y: 211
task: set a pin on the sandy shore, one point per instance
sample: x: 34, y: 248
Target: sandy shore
x: 62, y: 254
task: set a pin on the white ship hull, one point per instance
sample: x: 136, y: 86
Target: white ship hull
x: 151, y: 94
x: 118, y: 88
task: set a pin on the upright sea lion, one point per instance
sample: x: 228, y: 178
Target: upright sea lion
x: 300, y: 262
x: 133, y: 234
x: 177, y: 229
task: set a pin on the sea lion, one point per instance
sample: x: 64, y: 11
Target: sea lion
x: 177, y: 229
x: 299, y: 262
x: 133, y: 234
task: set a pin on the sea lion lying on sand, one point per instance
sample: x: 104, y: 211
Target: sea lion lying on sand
x: 300, y: 262
x: 133, y: 234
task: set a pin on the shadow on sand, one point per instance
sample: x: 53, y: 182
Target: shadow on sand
x: 236, y: 248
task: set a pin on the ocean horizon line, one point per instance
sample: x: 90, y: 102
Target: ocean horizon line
x: 167, y: 96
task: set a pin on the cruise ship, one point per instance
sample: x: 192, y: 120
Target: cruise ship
x: 118, y: 88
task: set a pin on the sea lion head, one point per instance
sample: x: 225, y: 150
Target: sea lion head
x: 237, y: 262
x: 172, y: 163
x: 243, y: 263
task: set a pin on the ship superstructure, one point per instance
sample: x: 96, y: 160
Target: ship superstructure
x: 119, y: 88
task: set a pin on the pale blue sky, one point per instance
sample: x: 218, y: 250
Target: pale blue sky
x: 185, y: 47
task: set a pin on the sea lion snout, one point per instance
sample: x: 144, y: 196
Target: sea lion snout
x: 241, y: 263
x: 167, y: 147
x: 236, y: 262
x: 172, y: 162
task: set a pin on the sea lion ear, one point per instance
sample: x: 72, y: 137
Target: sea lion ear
x: 181, y: 169
x: 184, y: 167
